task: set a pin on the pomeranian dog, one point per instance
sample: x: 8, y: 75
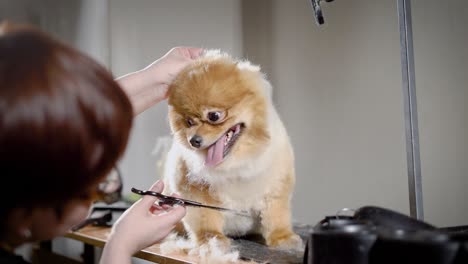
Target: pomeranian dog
x: 230, y: 149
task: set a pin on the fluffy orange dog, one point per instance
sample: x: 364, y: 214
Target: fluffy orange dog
x: 230, y: 149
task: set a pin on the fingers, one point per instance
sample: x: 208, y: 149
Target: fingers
x: 176, y: 195
x: 148, y: 200
x: 173, y: 216
x: 195, y: 52
x: 188, y: 52
x: 156, y: 208
x: 158, y: 186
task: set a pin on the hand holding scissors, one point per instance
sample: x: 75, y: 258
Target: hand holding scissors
x: 170, y: 200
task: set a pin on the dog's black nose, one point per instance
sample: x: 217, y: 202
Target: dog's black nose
x: 196, y: 141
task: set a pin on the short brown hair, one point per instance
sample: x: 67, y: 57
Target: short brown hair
x: 64, y: 121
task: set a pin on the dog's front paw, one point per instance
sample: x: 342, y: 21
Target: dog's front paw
x: 286, y: 241
x: 215, y: 250
x: 222, y: 242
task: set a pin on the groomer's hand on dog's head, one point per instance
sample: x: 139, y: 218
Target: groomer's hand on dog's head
x: 163, y: 71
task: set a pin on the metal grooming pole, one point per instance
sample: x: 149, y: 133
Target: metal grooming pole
x: 410, y: 108
x: 409, y: 101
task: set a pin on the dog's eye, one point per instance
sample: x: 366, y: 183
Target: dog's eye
x: 215, y: 116
x: 190, y: 122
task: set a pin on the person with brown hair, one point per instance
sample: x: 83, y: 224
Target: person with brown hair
x: 64, y: 123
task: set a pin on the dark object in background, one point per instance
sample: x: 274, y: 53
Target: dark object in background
x: 110, y: 190
x: 318, y: 11
x: 101, y: 218
x: 109, y: 205
x: 103, y: 215
x: 459, y: 234
x: 375, y: 235
x: 428, y: 247
x: 351, y: 238
x: 385, y: 218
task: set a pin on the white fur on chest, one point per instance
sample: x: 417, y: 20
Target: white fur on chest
x: 240, y: 187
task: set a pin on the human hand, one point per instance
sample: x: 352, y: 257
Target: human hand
x: 142, y: 225
x: 147, y: 87
x: 164, y: 70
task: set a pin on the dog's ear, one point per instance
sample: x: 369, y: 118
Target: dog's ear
x: 247, y: 66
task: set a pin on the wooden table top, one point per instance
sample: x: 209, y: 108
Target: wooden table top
x: 249, y: 249
x: 97, y: 236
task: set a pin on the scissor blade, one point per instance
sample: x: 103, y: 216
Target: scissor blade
x: 210, y: 207
x: 243, y: 213
x: 169, y: 200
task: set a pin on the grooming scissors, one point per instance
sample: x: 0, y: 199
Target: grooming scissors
x: 170, y: 200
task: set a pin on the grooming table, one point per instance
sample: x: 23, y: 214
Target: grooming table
x: 250, y: 248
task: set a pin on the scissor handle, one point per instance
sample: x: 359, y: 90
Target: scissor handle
x: 140, y: 192
x: 170, y: 200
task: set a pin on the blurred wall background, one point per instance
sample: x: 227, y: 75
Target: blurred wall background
x: 337, y: 88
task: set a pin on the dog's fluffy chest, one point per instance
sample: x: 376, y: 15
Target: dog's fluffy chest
x: 247, y: 196
x: 241, y: 193
x: 237, y: 190
x: 240, y: 188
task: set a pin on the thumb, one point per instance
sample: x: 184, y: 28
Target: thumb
x: 148, y: 200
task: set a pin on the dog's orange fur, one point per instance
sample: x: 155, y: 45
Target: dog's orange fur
x: 256, y: 176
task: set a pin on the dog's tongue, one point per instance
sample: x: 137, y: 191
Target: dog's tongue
x: 215, y: 152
